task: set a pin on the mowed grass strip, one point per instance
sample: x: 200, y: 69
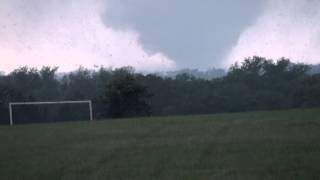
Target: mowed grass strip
x: 255, y: 145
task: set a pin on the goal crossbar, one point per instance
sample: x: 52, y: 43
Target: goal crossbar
x: 48, y: 103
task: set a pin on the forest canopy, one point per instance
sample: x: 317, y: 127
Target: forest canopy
x: 255, y: 84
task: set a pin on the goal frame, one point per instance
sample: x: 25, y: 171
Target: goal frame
x: 11, y: 104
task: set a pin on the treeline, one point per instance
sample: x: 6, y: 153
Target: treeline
x: 255, y: 84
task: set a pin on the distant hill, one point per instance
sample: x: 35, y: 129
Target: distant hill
x: 214, y: 72
x: 315, y: 69
x: 201, y: 74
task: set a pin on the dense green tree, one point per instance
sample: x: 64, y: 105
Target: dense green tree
x: 126, y: 96
x: 7, y: 94
x: 49, y: 88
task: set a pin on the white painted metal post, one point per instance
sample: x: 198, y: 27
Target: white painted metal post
x: 10, y: 114
x: 90, y: 109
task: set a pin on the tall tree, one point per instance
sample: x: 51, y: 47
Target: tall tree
x: 126, y: 96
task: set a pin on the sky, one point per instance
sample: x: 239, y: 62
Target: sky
x: 157, y: 35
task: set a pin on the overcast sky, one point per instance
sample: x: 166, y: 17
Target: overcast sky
x: 155, y: 35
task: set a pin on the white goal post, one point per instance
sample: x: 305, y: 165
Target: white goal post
x: 11, y: 104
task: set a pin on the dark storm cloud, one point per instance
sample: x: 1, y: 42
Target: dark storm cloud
x: 193, y: 33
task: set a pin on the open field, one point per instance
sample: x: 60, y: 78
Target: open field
x: 256, y: 145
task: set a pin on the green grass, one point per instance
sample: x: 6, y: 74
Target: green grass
x: 256, y: 145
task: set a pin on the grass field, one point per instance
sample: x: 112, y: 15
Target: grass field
x: 256, y: 145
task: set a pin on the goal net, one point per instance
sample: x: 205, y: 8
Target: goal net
x: 24, y: 112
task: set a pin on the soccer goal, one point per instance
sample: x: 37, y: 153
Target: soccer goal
x: 12, y: 104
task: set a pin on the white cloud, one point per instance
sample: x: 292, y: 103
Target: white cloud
x: 286, y: 28
x: 68, y: 34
